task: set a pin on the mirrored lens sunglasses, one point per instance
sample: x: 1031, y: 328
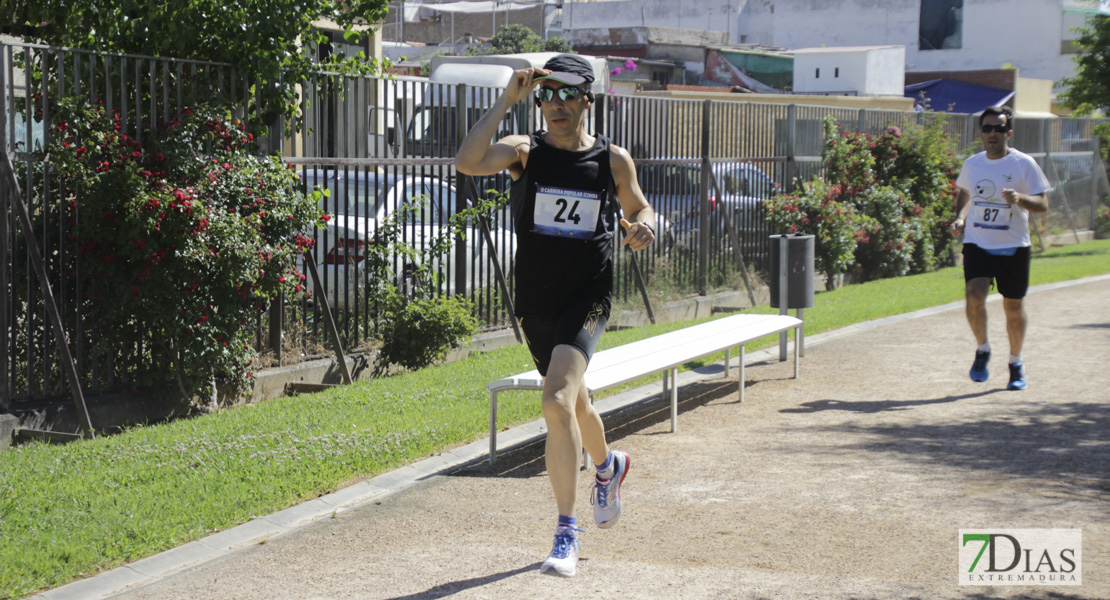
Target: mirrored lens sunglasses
x: 990, y: 128
x: 566, y: 94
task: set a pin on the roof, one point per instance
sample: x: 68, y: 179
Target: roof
x: 947, y: 95
x: 840, y: 49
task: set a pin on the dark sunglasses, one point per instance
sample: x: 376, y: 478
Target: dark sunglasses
x: 567, y: 94
x: 990, y: 128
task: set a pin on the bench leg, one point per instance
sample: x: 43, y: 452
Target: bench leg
x: 742, y: 351
x: 797, y: 347
x: 492, y: 427
x: 727, y: 350
x: 800, y: 332
x: 674, y: 400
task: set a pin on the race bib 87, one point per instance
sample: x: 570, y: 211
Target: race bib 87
x: 991, y: 215
x: 566, y: 213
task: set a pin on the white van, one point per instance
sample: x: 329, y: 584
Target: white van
x: 428, y: 110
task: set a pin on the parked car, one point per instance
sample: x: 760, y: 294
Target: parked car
x: 360, y: 202
x: 674, y: 189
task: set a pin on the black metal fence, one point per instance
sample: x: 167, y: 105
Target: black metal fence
x: 377, y: 144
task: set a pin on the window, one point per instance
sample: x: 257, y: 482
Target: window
x: 941, y: 25
x: 836, y: 72
x: 818, y: 74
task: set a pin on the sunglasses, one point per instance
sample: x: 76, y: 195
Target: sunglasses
x: 990, y: 128
x: 566, y: 94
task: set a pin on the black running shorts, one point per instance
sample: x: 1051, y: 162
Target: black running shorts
x: 580, y: 325
x: 1010, y: 273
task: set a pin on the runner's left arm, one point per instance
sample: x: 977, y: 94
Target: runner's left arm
x: 640, y: 232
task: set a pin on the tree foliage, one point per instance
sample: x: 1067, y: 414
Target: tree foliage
x: 1089, y: 90
x: 514, y: 39
x: 263, y: 39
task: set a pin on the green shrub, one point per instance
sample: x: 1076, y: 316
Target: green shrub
x: 417, y: 332
x: 1102, y: 221
x: 889, y: 240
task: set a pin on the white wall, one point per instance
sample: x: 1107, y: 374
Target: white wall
x: 865, y: 71
x: 886, y: 72
x: 706, y: 15
x: 852, y: 76
x: 1025, y: 33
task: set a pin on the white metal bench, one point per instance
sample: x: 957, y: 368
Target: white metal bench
x: 662, y: 353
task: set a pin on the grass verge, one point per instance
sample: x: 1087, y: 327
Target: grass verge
x: 71, y: 511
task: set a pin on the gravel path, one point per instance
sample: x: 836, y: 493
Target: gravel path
x: 850, y: 482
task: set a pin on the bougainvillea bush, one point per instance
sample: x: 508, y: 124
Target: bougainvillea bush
x: 892, y: 195
x: 177, y: 241
x: 816, y: 209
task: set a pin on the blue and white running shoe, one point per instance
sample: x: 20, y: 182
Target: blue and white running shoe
x: 979, y: 370
x: 606, y: 496
x: 563, y: 560
x: 1017, y: 377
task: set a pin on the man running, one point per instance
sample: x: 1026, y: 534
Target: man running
x: 567, y: 187
x: 999, y: 187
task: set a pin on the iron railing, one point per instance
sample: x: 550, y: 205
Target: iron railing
x: 374, y: 142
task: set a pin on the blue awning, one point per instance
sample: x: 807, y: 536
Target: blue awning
x: 946, y: 95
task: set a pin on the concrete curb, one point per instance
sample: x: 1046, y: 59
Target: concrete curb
x: 220, y: 545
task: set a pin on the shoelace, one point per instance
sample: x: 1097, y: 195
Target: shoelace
x: 564, y: 539
x: 600, y: 496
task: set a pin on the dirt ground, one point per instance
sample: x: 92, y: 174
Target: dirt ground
x: 850, y: 482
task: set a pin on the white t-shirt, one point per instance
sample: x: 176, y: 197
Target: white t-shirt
x: 991, y: 222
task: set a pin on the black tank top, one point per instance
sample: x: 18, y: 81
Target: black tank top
x: 565, y: 213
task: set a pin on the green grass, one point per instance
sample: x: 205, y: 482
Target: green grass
x: 72, y: 511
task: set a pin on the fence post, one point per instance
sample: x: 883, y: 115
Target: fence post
x: 791, y: 145
x: 329, y: 319
x: 65, y: 357
x: 970, y: 126
x: 601, y: 106
x: 1096, y: 166
x: 460, y: 266
x: 703, y: 212
x: 277, y: 322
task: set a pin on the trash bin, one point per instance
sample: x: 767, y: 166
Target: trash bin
x: 799, y: 270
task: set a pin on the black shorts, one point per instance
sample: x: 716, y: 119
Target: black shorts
x: 1010, y: 273
x: 580, y: 325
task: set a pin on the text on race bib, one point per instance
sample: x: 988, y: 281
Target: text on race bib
x: 566, y: 213
x: 990, y: 215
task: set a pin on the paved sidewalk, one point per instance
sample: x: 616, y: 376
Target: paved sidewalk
x: 850, y: 482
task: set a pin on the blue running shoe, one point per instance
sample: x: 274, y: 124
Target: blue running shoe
x: 979, y: 370
x: 1017, y: 377
x: 606, y: 496
x: 563, y: 560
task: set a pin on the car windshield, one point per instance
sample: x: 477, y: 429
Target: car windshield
x: 743, y: 180
x: 734, y: 179
x: 349, y: 195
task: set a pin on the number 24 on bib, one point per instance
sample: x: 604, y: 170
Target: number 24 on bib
x: 566, y: 213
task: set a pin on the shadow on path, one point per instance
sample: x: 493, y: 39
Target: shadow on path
x: 454, y: 587
x: 526, y: 460
x: 1091, y: 326
x: 1063, y: 443
x: 871, y: 406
